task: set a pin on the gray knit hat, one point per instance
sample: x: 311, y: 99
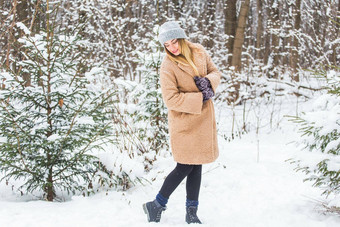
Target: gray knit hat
x: 170, y: 30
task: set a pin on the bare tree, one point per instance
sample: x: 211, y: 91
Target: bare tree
x: 294, y: 60
x: 230, y: 25
x: 335, y: 55
x: 275, y: 38
x: 259, y: 31
x: 116, y: 28
x: 237, y: 49
x: 239, y: 36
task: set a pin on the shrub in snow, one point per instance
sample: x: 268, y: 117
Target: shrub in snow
x: 143, y: 126
x: 152, y: 112
x: 259, y: 96
x: 51, y: 124
x: 320, y: 130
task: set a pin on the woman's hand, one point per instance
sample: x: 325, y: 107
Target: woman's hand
x: 207, y: 94
x: 203, y: 84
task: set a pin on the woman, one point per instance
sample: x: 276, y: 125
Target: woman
x: 189, y: 80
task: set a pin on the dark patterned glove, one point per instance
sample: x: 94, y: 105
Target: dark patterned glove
x: 208, y: 93
x: 202, y: 83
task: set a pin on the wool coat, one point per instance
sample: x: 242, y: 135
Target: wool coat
x: 192, y: 124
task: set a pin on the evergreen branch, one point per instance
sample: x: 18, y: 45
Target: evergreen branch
x: 69, y: 131
x: 75, y: 75
x: 15, y: 76
x: 83, y: 150
x: 17, y: 137
x: 37, y: 49
x: 36, y: 64
x: 34, y: 101
x: 13, y: 120
x: 61, y: 52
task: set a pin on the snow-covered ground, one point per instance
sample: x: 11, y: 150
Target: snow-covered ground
x: 249, y: 185
x: 236, y: 191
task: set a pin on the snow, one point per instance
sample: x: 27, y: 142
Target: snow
x: 251, y: 184
x: 326, y: 110
x: 24, y: 28
x: 5, y: 76
x: 86, y: 120
x: 236, y: 191
x: 332, y: 145
x: 53, y: 137
x: 118, y: 163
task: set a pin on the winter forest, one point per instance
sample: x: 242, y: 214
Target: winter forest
x: 83, y: 122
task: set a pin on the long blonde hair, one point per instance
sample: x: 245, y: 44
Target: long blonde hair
x: 186, y: 56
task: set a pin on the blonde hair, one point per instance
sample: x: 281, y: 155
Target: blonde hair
x: 186, y: 56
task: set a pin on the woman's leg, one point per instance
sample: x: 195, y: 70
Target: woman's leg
x: 174, y: 179
x: 155, y: 208
x: 193, y: 185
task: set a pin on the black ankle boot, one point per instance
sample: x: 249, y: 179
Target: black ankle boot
x: 153, y: 210
x: 191, y: 216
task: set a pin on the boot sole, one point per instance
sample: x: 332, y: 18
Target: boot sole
x: 146, y: 211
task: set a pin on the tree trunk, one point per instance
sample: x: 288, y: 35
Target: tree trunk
x: 337, y: 31
x: 49, y: 184
x: 237, y: 49
x: 23, y: 17
x: 209, y: 23
x: 267, y: 48
x: 10, y: 35
x: 249, y: 43
x: 275, y: 21
x: 294, y: 63
x: 230, y: 25
x: 239, y: 36
x: 259, y: 31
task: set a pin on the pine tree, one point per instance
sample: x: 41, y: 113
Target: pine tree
x: 50, y: 129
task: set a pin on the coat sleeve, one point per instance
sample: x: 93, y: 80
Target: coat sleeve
x: 174, y: 99
x: 213, y: 74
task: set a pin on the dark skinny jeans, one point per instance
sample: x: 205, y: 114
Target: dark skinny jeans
x: 193, y: 184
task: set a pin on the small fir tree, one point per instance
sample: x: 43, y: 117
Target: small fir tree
x: 50, y: 128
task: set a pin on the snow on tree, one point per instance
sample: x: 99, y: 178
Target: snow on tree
x: 320, y: 129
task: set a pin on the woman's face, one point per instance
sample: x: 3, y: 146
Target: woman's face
x: 173, y: 46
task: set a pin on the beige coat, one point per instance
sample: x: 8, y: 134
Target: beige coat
x: 192, y: 124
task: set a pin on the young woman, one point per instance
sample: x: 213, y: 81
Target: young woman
x: 189, y: 80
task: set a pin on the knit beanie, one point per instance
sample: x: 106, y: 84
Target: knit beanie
x: 170, y: 30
